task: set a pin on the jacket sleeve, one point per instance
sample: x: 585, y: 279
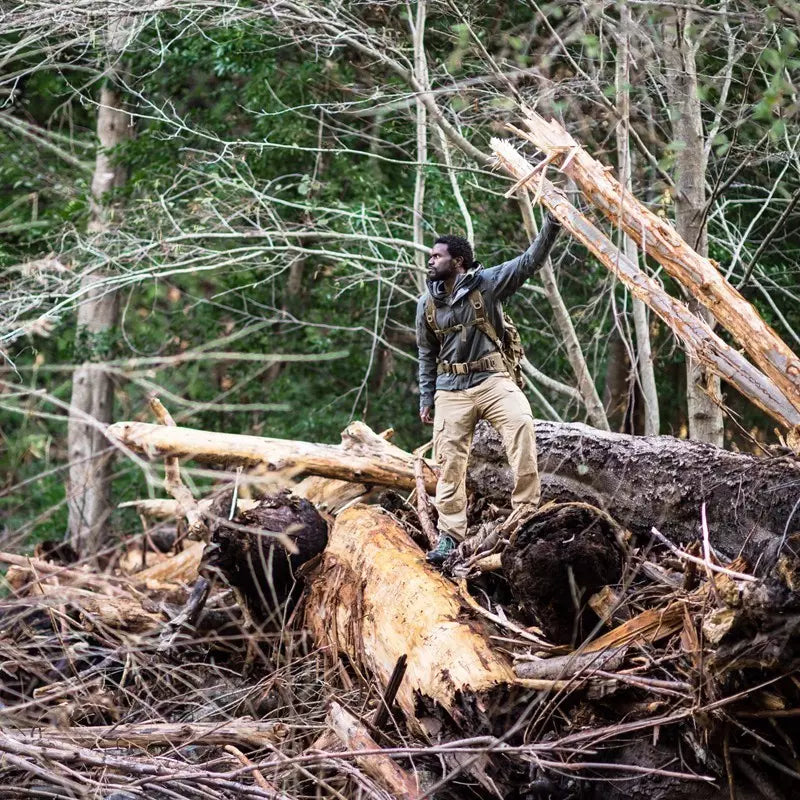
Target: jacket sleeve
x: 506, y: 278
x: 428, y: 347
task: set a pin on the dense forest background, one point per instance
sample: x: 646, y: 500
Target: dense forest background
x: 281, y: 169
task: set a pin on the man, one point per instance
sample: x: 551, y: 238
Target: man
x: 462, y: 373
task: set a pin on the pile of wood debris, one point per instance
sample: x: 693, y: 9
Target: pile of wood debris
x: 307, y: 650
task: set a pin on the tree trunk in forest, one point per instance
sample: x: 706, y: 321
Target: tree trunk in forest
x: 659, y: 239
x: 644, y: 353
x: 421, y: 75
x: 583, y: 378
x: 617, y: 385
x: 374, y: 599
x: 639, y: 481
x: 88, y: 494
x: 696, y: 335
x: 703, y: 391
x: 91, y: 406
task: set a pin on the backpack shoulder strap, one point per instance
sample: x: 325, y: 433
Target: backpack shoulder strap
x: 481, y: 320
x: 430, y: 315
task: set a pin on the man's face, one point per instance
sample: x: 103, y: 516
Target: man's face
x: 441, y: 265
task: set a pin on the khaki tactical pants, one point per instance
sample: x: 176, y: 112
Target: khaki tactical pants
x: 502, y: 403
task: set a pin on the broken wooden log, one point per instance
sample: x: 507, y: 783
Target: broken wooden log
x: 356, y: 738
x: 251, y: 551
x: 697, y: 337
x: 561, y: 667
x: 363, y: 456
x: 373, y: 598
x: 640, y: 481
x: 146, y: 734
x: 657, y: 238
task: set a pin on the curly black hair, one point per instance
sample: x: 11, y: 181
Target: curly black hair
x: 458, y: 246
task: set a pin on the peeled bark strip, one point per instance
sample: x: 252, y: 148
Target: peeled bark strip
x: 363, y: 456
x: 700, y: 341
x: 658, y: 238
x: 374, y: 599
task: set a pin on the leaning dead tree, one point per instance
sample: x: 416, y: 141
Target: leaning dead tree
x: 697, y: 336
x: 657, y: 238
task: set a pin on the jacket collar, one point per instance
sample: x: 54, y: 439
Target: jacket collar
x: 465, y: 283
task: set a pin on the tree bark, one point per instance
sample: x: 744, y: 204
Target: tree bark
x: 696, y: 335
x: 374, y: 599
x: 91, y: 405
x: 421, y: 75
x: 661, y: 481
x: 658, y: 238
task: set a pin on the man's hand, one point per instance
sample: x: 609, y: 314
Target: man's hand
x: 425, y: 415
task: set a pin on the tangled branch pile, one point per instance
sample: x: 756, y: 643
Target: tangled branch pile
x: 308, y: 650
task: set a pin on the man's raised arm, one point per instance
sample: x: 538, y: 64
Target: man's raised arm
x: 506, y: 278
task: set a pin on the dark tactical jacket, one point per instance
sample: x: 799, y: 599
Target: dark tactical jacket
x: 495, y: 284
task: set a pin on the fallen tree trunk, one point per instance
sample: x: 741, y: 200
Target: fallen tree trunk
x: 374, y: 599
x: 697, y: 337
x: 641, y: 481
x: 658, y: 238
x: 363, y: 456
x: 661, y: 481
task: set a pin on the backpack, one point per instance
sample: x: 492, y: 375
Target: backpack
x: 509, y: 346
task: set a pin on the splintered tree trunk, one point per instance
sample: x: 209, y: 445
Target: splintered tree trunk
x: 696, y: 335
x: 92, y: 388
x: 374, y: 599
x: 703, y: 391
x: 656, y: 237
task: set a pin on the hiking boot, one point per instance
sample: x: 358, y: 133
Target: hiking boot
x: 444, y: 547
